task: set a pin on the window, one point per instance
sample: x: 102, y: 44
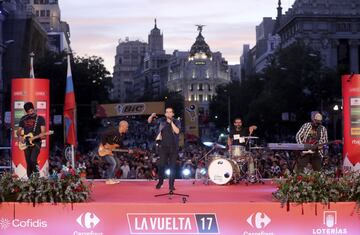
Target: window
x: 209, y: 87
x: 191, y: 87
x: 42, y: 13
x: 200, y: 98
x: 200, y: 86
x: 48, y: 13
x: 192, y: 98
x: 36, y: 1
x: 209, y: 97
x: 37, y: 13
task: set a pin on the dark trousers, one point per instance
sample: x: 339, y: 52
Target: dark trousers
x: 31, y: 156
x: 168, y: 155
x: 304, y: 159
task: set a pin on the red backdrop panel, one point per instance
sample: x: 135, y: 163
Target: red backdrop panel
x: 351, y: 109
x: 36, y: 91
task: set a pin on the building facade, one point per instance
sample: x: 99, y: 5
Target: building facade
x: 128, y: 60
x: 150, y: 80
x: 48, y: 14
x: 20, y: 34
x: 331, y: 27
x: 197, y: 73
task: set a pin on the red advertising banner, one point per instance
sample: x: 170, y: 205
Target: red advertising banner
x: 36, y: 91
x: 266, y: 218
x: 351, y: 119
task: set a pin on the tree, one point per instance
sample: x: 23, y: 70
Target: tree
x: 91, y: 83
x: 294, y: 82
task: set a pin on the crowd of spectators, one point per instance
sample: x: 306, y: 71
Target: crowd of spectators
x: 191, y: 157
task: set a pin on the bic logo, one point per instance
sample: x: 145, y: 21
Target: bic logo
x: 88, y: 220
x: 330, y: 218
x: 258, y: 220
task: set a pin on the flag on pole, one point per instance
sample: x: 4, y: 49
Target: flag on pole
x: 70, y: 108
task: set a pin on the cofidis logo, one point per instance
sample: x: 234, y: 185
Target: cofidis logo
x: 6, y: 223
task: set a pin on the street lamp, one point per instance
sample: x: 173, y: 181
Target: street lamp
x: 229, y: 107
x: 335, y: 119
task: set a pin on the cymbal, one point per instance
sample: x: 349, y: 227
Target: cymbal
x: 213, y: 144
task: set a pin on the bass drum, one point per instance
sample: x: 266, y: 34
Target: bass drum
x: 222, y: 171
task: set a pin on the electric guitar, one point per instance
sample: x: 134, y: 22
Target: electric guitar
x: 109, y: 149
x: 311, y: 148
x: 29, y: 138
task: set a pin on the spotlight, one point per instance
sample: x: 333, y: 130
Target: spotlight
x: 203, y: 171
x: 167, y: 172
x: 186, y: 172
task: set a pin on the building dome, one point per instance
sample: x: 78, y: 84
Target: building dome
x: 200, y: 49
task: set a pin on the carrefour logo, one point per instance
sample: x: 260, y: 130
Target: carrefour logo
x: 258, y: 220
x: 88, y: 220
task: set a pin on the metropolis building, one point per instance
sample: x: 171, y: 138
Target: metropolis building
x: 197, y: 73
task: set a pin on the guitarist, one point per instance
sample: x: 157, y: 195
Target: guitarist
x: 113, y: 136
x: 31, y: 123
x: 311, y: 133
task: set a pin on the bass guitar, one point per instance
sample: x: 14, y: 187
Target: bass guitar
x: 109, y: 149
x: 29, y: 138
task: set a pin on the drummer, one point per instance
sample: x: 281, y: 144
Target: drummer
x: 238, y: 134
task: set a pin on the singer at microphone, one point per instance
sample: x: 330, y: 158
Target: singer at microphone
x: 168, y: 140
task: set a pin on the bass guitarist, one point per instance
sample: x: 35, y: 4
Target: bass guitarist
x: 113, y: 138
x: 312, y: 133
x: 35, y: 124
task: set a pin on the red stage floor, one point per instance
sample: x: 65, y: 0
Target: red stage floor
x: 144, y: 191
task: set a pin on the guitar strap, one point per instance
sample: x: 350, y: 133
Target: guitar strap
x: 36, y: 121
x: 318, y: 134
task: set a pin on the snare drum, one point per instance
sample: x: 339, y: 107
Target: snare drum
x: 237, y: 151
x: 222, y: 171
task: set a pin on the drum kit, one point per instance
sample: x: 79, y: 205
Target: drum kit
x: 239, y: 166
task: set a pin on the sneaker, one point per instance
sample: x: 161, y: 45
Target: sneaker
x: 111, y: 181
x: 172, y: 188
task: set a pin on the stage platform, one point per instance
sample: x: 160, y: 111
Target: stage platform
x: 131, y: 207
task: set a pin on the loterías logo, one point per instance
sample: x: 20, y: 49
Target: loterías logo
x: 88, y: 220
x: 4, y: 223
x: 258, y: 220
x: 330, y: 220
